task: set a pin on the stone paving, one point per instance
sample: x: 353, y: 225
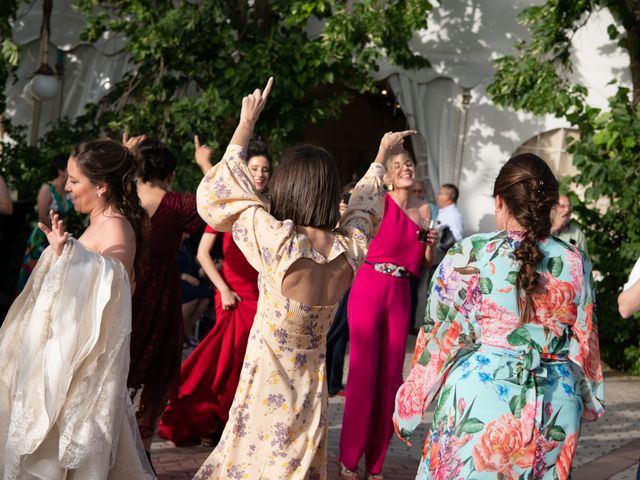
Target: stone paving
x: 608, y: 448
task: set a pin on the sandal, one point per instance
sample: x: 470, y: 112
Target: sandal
x: 374, y: 476
x: 347, y: 474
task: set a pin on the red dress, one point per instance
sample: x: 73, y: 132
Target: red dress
x: 211, y: 373
x: 157, y: 329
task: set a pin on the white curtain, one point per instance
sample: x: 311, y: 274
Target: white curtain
x: 432, y: 108
x: 87, y: 76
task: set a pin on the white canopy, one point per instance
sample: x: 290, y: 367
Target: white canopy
x: 463, y: 137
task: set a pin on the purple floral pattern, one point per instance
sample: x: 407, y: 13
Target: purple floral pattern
x: 277, y: 423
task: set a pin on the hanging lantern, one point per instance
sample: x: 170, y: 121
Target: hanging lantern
x: 44, y: 85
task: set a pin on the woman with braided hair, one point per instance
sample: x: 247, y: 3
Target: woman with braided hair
x: 509, y: 345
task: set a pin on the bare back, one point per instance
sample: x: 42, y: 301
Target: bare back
x: 312, y: 283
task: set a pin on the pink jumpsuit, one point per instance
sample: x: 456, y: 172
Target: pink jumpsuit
x: 378, y: 311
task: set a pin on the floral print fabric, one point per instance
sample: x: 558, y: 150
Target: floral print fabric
x: 277, y: 423
x: 511, y: 394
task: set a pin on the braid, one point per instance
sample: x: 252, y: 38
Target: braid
x: 528, y: 253
x: 529, y: 190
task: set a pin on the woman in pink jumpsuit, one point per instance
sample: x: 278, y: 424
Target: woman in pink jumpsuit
x: 378, y: 311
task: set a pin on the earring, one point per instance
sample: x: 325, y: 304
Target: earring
x: 99, y: 194
x: 390, y: 187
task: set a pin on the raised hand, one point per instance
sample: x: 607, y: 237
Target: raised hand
x: 253, y: 104
x: 391, y: 144
x: 57, y: 234
x: 203, y: 155
x: 133, y: 142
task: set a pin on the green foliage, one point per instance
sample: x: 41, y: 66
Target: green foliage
x: 606, y: 155
x: 8, y: 49
x: 193, y: 62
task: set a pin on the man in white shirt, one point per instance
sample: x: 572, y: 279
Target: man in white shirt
x: 448, y: 213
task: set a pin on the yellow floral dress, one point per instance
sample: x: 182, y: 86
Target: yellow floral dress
x: 277, y: 424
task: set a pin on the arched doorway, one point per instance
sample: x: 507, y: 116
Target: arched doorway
x: 354, y: 136
x: 551, y: 146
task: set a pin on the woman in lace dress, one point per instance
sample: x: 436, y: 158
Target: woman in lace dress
x: 277, y: 423
x: 509, y: 345
x: 64, y: 346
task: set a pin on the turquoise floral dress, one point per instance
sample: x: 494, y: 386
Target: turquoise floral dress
x: 512, y: 395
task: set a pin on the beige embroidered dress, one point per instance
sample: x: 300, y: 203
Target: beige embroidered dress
x: 277, y: 423
x: 65, y: 412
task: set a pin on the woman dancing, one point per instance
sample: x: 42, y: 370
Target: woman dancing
x: 64, y: 346
x: 157, y: 336
x: 379, y: 313
x: 510, y: 344
x: 277, y: 423
x: 210, y: 375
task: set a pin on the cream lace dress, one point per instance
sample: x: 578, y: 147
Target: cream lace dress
x: 277, y: 424
x: 64, y: 353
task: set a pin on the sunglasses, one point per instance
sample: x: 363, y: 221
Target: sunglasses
x: 345, y: 197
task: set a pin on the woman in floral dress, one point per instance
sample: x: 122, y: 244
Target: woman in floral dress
x: 277, y: 423
x: 510, y: 344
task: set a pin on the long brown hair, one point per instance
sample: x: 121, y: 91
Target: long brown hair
x: 111, y: 163
x: 305, y: 188
x: 529, y: 190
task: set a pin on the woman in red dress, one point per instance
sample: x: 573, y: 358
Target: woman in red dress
x: 157, y: 327
x: 210, y: 375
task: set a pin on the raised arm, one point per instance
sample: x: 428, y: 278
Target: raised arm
x: 227, y: 196
x: 252, y: 106
x: 362, y: 218
x: 228, y: 189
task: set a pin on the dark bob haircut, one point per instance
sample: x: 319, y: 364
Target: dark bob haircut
x: 306, y: 188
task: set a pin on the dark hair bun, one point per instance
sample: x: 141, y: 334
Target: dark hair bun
x: 154, y: 160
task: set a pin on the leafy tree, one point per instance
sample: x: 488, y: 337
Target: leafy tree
x: 193, y: 62
x: 8, y: 50
x: 536, y: 79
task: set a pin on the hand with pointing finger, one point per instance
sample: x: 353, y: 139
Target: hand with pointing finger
x: 203, y: 155
x: 57, y: 234
x: 253, y: 104
x: 391, y: 144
